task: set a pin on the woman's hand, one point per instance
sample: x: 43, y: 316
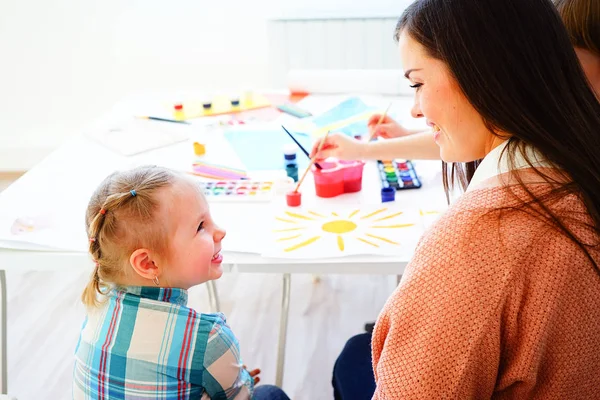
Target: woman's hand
x: 339, y: 146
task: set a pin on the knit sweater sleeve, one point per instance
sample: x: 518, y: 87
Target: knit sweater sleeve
x: 439, y: 334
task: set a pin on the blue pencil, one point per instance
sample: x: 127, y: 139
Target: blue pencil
x: 299, y: 145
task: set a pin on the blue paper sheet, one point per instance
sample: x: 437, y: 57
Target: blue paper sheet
x: 263, y: 149
x: 346, y: 111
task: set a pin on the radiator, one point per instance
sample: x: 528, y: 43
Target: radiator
x: 331, y: 44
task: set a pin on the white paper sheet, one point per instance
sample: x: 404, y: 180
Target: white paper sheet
x: 377, y: 229
x: 54, y: 204
x: 130, y: 135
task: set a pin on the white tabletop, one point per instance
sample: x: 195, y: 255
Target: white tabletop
x: 60, y: 187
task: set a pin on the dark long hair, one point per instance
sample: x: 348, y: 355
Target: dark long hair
x: 515, y: 64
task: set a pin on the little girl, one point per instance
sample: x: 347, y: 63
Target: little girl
x: 152, y: 237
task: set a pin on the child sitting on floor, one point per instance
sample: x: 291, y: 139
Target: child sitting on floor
x: 152, y: 238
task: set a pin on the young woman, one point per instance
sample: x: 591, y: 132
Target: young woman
x: 502, y: 296
x: 582, y: 21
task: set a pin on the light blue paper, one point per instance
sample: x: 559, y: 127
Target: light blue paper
x: 347, y: 109
x: 263, y: 149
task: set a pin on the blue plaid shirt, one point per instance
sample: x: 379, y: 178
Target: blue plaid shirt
x: 144, y: 343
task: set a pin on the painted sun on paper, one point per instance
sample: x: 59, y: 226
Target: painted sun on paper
x: 319, y: 234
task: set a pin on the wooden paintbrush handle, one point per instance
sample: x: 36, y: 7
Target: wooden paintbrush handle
x: 372, y: 134
x: 312, y: 161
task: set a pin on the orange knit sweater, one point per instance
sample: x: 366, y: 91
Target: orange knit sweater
x: 493, y: 307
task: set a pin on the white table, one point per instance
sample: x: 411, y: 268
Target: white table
x: 64, y: 181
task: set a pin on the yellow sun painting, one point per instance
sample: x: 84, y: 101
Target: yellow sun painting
x: 379, y: 230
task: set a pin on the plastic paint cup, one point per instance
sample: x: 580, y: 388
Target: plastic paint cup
x: 293, y: 199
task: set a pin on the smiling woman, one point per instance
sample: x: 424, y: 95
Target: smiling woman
x: 459, y: 130
x: 512, y: 269
x: 582, y: 21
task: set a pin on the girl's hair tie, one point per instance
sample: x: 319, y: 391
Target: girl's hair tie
x: 133, y: 192
x: 102, y: 211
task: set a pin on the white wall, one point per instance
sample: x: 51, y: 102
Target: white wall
x: 64, y: 62
x: 340, y: 9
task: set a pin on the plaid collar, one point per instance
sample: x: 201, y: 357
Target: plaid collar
x: 169, y: 295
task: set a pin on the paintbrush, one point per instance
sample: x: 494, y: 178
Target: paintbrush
x: 379, y: 122
x: 299, y: 145
x: 311, y: 162
x: 164, y: 120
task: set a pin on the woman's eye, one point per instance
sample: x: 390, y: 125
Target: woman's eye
x: 416, y: 85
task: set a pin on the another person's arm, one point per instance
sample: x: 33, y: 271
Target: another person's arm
x: 388, y: 128
x: 400, y: 143
x: 419, y: 146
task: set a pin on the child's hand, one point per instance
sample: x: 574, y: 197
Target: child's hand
x: 387, y: 129
x: 254, y: 374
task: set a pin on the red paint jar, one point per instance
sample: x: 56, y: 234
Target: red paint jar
x: 293, y: 199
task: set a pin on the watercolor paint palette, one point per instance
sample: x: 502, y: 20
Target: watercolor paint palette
x: 240, y: 190
x: 398, y: 174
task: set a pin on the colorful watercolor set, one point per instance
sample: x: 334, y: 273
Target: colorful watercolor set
x: 244, y: 190
x: 241, y: 190
x: 398, y: 174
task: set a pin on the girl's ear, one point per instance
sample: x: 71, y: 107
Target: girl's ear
x: 143, y: 264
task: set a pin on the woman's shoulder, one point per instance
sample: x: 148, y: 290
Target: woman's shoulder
x: 498, y: 209
x: 491, y: 227
x: 481, y: 217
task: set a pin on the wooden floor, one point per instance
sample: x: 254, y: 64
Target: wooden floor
x: 45, y: 316
x: 6, y: 178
